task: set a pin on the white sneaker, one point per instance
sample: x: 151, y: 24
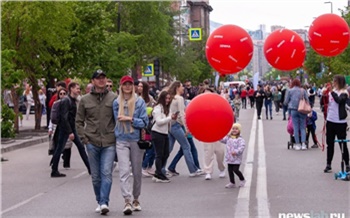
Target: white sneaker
x: 222, y: 174
x: 136, y: 205
x: 104, y: 209
x: 297, y: 147
x: 151, y: 171
x: 230, y: 185
x: 197, y: 173
x: 127, y: 209
x: 98, y: 209
x: 208, y: 176
x: 303, y: 146
x: 242, y: 183
x: 145, y: 173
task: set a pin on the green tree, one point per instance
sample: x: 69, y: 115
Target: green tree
x: 26, y: 28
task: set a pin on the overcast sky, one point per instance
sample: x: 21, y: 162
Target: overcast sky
x: 293, y: 14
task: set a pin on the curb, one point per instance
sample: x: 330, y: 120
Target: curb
x: 23, y: 143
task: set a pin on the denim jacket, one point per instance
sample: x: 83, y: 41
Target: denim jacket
x: 140, y: 121
x: 293, y: 97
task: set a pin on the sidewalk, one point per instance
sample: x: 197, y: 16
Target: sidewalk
x: 27, y: 136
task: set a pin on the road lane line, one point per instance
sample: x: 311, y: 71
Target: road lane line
x: 21, y: 203
x: 261, y: 183
x: 242, y: 206
x: 79, y: 175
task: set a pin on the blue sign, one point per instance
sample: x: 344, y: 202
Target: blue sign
x: 195, y: 34
x: 149, y: 70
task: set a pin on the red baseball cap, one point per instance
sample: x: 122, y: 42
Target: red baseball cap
x: 125, y: 79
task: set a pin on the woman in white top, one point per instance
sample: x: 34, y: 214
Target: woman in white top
x: 28, y: 99
x: 336, y: 120
x: 160, y: 129
x: 177, y: 128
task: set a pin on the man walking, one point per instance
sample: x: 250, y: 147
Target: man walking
x: 67, y: 130
x: 95, y: 125
x: 259, y: 99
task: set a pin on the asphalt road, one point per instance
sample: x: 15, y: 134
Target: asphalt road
x: 279, y: 181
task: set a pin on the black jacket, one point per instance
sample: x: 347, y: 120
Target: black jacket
x: 261, y: 97
x: 68, y: 111
x: 341, y: 100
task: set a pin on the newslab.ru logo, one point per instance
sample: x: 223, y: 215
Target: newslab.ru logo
x: 312, y: 214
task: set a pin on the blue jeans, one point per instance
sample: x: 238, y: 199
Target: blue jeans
x: 180, y: 153
x: 177, y: 133
x: 101, y: 163
x: 148, y: 158
x: 285, y: 109
x: 268, y: 108
x: 299, y: 125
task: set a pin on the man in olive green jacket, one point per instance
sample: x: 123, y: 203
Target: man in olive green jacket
x: 95, y: 126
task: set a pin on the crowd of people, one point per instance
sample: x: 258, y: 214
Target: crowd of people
x: 106, y: 123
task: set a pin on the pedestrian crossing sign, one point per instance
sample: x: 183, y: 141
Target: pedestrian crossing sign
x: 195, y: 34
x: 149, y: 70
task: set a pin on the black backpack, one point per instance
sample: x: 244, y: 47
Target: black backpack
x: 55, y: 111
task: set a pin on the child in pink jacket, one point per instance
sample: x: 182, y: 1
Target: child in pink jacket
x: 235, y: 145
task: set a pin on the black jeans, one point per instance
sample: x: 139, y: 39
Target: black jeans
x: 161, y: 148
x: 333, y: 130
x: 234, y: 168
x: 244, y: 103
x: 259, y: 107
x: 310, y: 129
x: 62, y: 140
x: 252, y: 100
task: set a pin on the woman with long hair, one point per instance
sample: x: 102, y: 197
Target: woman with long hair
x: 28, y: 96
x: 160, y: 129
x: 292, y: 99
x: 178, y: 129
x: 148, y: 160
x: 336, y: 121
x: 130, y: 115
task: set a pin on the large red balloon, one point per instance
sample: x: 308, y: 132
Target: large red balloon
x: 284, y: 49
x: 329, y: 35
x: 209, y: 117
x: 229, y: 49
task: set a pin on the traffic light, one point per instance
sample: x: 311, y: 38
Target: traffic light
x: 156, y: 65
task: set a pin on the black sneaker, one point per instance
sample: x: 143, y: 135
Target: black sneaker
x: 259, y: 118
x: 57, y: 174
x: 347, y: 169
x: 173, y: 172
x: 328, y: 169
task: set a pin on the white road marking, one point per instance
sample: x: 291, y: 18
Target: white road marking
x: 79, y: 175
x: 261, y: 189
x: 21, y: 203
x: 242, y: 206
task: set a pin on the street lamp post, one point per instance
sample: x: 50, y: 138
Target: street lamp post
x: 331, y: 5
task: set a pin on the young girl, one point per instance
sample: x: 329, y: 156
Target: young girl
x: 234, y: 151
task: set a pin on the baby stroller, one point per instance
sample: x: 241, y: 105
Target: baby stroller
x: 290, y: 130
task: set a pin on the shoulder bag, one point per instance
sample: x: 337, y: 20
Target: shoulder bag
x: 304, y: 106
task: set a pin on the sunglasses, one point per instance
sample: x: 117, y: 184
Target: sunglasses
x: 63, y: 93
x: 109, y: 86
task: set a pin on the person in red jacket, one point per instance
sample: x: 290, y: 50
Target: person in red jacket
x: 251, y: 96
x: 244, y: 94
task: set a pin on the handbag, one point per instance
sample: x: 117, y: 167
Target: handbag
x: 142, y: 143
x: 304, y: 106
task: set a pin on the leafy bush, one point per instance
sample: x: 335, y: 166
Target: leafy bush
x: 7, y: 121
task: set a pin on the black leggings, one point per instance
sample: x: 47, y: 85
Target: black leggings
x: 161, y: 148
x: 310, y: 129
x: 339, y: 130
x: 234, y: 168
